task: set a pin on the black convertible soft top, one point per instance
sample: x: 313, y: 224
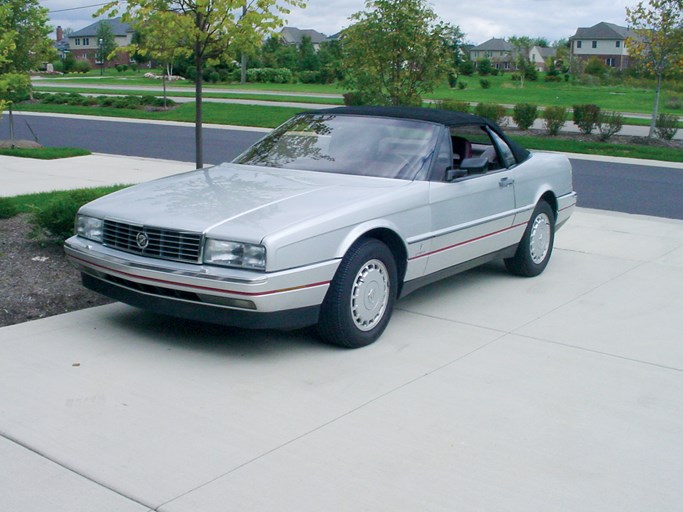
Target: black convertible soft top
x: 433, y: 115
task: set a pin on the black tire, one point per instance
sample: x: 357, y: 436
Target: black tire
x: 368, y: 271
x: 533, y: 252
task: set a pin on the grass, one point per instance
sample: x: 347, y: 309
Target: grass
x: 216, y: 113
x: 30, y: 203
x: 623, y: 98
x: 601, y: 148
x: 44, y: 153
x: 190, y: 94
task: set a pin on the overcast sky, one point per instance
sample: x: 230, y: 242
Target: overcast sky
x: 480, y: 20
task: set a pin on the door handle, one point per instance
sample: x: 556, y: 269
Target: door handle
x: 506, y: 182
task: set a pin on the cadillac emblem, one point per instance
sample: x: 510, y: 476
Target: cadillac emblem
x: 142, y: 239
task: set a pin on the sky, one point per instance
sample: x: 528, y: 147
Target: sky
x: 480, y: 20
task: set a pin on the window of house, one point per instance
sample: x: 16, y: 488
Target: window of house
x: 595, y: 44
x: 578, y: 44
x: 618, y: 44
x: 77, y: 42
x: 86, y: 41
x: 611, y: 62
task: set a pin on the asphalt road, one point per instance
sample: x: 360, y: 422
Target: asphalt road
x: 640, y: 189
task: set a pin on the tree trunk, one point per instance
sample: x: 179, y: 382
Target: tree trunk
x: 243, y: 74
x: 163, y: 81
x: 655, y: 111
x: 11, y: 126
x: 199, y: 149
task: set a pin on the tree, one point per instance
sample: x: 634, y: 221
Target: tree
x: 106, y: 43
x: 657, y: 42
x: 308, y: 58
x: 522, y: 46
x: 213, y: 29
x: 395, y: 51
x: 14, y: 87
x: 161, y: 39
x: 25, y: 23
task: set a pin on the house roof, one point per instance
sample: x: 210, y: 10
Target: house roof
x: 118, y: 27
x: 293, y: 35
x: 494, y: 45
x: 602, y: 30
x: 546, y: 52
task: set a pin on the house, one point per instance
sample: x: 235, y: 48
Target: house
x: 293, y: 36
x: 539, y: 57
x: 605, y: 41
x: 498, y: 51
x: 84, y: 45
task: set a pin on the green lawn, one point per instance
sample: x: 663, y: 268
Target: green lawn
x: 503, y: 90
x: 44, y: 153
x: 215, y: 113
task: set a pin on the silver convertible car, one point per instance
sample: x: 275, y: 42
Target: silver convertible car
x: 327, y: 221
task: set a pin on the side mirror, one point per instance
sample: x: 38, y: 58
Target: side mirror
x: 475, y: 165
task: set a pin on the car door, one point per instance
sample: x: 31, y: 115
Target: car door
x: 473, y: 216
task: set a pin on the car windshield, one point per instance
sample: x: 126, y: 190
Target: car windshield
x: 346, y: 144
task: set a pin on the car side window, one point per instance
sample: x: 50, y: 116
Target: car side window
x: 444, y: 157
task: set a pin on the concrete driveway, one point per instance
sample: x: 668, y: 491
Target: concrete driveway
x: 487, y: 393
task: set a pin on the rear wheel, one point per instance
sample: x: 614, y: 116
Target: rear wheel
x: 361, y: 298
x: 533, y: 252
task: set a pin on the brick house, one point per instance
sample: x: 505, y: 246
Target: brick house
x: 83, y: 44
x: 498, y: 51
x: 606, y: 41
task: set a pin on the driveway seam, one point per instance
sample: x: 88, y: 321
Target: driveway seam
x: 73, y: 471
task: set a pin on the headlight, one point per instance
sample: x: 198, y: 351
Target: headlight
x: 89, y: 227
x: 235, y: 254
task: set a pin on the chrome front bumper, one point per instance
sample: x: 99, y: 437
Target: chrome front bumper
x: 202, y: 292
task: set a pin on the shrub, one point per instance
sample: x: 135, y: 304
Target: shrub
x: 452, y: 80
x: 466, y: 68
x: 55, y: 220
x: 553, y: 78
x: 495, y: 71
x: 121, y: 68
x: 524, y: 115
x: 554, y: 119
x: 609, y: 123
x: 674, y: 103
x: 666, y: 126
x: 484, y: 67
x: 595, y: 67
x: 354, y: 99
x: 491, y: 111
x: 462, y: 85
x: 7, y: 208
x: 270, y: 75
x: 485, y: 84
x: 454, y: 105
x: 81, y: 66
x: 586, y: 117
x: 309, y: 77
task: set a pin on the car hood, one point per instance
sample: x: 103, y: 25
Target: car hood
x: 237, y: 201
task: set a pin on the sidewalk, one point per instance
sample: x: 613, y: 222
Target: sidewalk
x: 487, y: 392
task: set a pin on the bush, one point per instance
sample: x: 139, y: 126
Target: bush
x: 55, y: 220
x: 462, y: 85
x: 524, y: 115
x: 121, y: 68
x: 454, y: 105
x: 553, y: 78
x: 485, y: 84
x: 7, y: 208
x: 666, y: 126
x: 609, y: 123
x: 554, y: 119
x: 270, y: 75
x: 355, y: 99
x: 595, y: 67
x: 674, y: 103
x: 495, y: 71
x: 484, y: 67
x: 81, y: 66
x: 491, y: 111
x: 586, y: 117
x: 310, y: 77
x: 452, y: 80
x: 466, y: 68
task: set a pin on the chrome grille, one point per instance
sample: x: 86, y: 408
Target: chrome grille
x: 161, y: 243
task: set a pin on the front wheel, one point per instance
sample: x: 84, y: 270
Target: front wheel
x: 533, y: 252
x: 361, y: 298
